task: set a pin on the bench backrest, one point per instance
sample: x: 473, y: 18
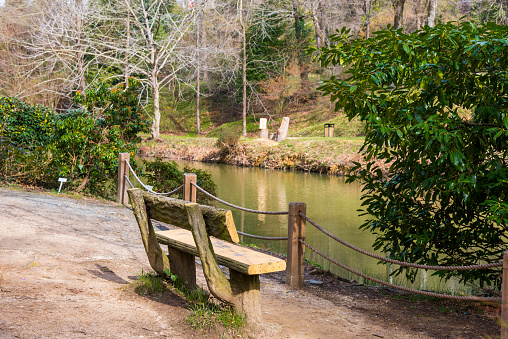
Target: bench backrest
x: 219, y: 222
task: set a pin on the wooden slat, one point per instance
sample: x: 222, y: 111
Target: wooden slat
x: 238, y: 258
x: 219, y: 222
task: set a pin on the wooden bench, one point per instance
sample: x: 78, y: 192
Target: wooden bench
x: 209, y: 233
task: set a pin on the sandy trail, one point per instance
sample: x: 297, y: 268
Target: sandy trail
x: 66, y: 266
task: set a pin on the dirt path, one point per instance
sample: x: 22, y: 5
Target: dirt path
x: 66, y: 267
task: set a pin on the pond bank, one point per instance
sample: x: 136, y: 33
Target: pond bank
x: 335, y: 156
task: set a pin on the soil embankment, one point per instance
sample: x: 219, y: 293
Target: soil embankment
x: 67, y: 267
x: 331, y: 155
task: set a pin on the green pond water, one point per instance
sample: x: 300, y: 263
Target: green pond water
x: 331, y: 203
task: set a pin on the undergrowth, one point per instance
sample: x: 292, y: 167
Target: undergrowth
x: 207, y: 314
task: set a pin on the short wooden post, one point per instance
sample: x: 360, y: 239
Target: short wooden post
x: 189, y: 191
x: 504, y: 302
x: 296, y: 250
x: 183, y: 265
x: 123, y: 170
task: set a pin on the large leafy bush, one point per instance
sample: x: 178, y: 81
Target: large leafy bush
x: 165, y: 176
x: 24, y: 124
x: 436, y: 107
x: 81, y: 145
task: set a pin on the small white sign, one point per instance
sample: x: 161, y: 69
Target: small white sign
x: 149, y: 187
x: 61, y: 180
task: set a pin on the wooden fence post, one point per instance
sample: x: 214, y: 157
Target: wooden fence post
x: 123, y: 170
x: 189, y: 191
x: 504, y: 302
x: 296, y: 250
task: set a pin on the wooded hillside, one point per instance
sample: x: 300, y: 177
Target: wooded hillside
x: 247, y: 57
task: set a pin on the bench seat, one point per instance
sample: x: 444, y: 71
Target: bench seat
x: 238, y: 258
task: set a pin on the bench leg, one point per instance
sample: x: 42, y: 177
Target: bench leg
x: 158, y: 259
x: 241, y: 290
x: 183, y: 265
x: 247, y: 294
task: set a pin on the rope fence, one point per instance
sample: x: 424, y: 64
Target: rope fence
x: 145, y: 186
x: 260, y: 237
x: 296, y: 243
x: 401, y: 263
x: 237, y: 207
x: 128, y: 181
x: 407, y: 289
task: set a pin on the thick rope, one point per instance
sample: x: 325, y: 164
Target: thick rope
x: 407, y: 289
x: 234, y: 206
x: 260, y: 237
x: 397, y: 262
x: 146, y: 187
x: 127, y: 178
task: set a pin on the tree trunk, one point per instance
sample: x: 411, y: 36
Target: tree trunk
x: 203, y: 43
x: 80, y: 56
x: 398, y: 17
x: 368, y: 12
x: 156, y: 108
x: 244, y: 72
x: 198, y: 122
x: 318, y: 31
x: 322, y: 9
x: 505, y: 8
x: 304, y: 78
x: 127, y: 44
x: 432, y: 13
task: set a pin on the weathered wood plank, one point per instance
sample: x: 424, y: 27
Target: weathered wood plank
x: 217, y: 283
x: 157, y: 258
x: 219, y: 222
x: 238, y: 258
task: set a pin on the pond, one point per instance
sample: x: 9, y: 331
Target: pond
x: 331, y: 203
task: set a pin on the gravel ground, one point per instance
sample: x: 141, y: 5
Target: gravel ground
x: 67, y: 267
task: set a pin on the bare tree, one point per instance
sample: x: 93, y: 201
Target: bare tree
x: 198, y: 64
x: 317, y: 11
x: 157, y: 49
x: 431, y: 17
x: 398, y: 16
x: 12, y: 29
x: 367, y: 10
x: 304, y: 76
x: 55, y: 45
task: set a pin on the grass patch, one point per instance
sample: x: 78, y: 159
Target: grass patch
x: 314, y: 264
x: 207, y: 314
x: 235, y: 127
x: 315, y: 128
x: 149, y: 283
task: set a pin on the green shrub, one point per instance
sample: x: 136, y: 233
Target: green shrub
x: 228, y: 142
x: 205, y: 181
x: 31, y: 166
x: 165, y: 176
x: 434, y: 102
x: 115, y: 107
x: 25, y: 138
x: 38, y: 146
x: 86, y: 152
x: 24, y: 124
